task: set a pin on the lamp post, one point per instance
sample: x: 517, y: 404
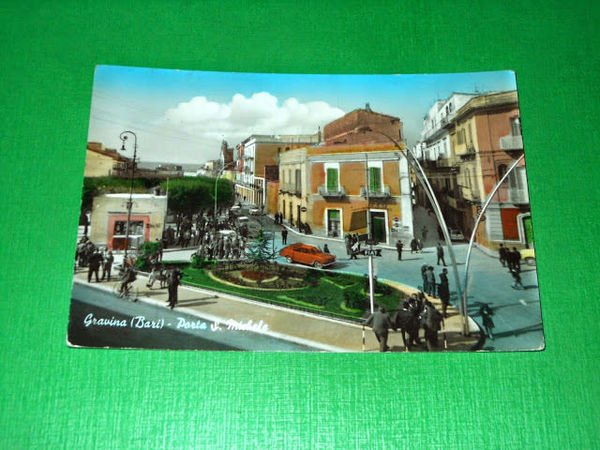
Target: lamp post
x: 369, y: 237
x: 416, y: 166
x: 123, y: 137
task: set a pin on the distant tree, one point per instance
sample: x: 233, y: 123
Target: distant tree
x: 260, y: 251
x: 190, y: 194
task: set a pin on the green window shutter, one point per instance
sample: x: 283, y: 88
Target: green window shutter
x: 374, y: 179
x: 332, y: 180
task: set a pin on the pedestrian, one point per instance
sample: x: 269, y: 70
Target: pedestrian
x: 107, y: 266
x: 380, y: 322
x: 516, y: 259
x: 486, y: 314
x: 174, y: 281
x: 354, y: 251
x: 502, y: 255
x: 517, y: 278
x: 431, y: 320
x: 326, y: 249
x: 399, y: 246
x: 155, y: 273
x: 444, y: 292
x: 160, y: 248
x: 348, y: 244
x: 94, y: 263
x: 419, y: 245
x: 284, y: 235
x: 424, y: 268
x: 414, y: 246
x: 440, y: 254
x: 430, y: 281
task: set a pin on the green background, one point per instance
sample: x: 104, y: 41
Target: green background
x: 56, y: 397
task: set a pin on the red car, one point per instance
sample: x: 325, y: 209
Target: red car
x: 307, y: 254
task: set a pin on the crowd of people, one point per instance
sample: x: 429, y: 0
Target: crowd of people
x: 512, y: 259
x: 413, y: 314
x: 199, y: 228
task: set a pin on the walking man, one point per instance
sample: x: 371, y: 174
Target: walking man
x: 502, y: 255
x: 107, y: 266
x: 94, y: 264
x: 348, y: 243
x: 486, y: 314
x: 430, y: 275
x: 174, y: 281
x: 444, y: 291
x: 399, y: 246
x: 284, y: 235
x: 380, y: 322
x: 516, y: 259
x: 440, y: 254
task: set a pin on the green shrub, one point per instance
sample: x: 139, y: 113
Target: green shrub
x: 145, y: 253
x: 354, y: 300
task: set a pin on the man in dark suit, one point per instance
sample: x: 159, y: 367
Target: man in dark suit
x: 399, y: 246
x: 95, y: 262
x: 440, y: 254
x: 284, y: 235
x: 380, y: 322
x: 174, y: 281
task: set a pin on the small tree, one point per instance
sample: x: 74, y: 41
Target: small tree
x: 260, y: 252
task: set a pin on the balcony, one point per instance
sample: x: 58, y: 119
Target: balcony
x: 326, y: 192
x: 291, y: 189
x: 384, y: 192
x: 518, y: 196
x: 511, y: 142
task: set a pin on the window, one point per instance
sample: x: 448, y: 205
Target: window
x: 332, y: 180
x: 332, y: 177
x: 515, y: 126
x: 501, y: 171
x: 375, y: 179
x: 298, y: 180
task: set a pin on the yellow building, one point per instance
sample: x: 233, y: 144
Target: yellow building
x: 102, y: 162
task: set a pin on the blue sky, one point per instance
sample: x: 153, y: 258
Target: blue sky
x: 182, y: 116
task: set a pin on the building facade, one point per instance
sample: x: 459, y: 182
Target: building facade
x: 103, y: 162
x: 109, y: 220
x: 255, y: 155
x: 485, y: 140
x: 358, y: 189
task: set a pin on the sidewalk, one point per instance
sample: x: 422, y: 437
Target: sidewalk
x: 322, y: 333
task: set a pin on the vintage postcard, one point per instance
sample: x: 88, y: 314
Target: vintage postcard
x: 286, y: 212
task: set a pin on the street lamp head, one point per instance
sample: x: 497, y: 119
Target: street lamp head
x: 123, y: 139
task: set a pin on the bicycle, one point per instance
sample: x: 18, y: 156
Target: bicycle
x: 126, y: 291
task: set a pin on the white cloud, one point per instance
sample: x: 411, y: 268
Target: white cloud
x: 262, y: 113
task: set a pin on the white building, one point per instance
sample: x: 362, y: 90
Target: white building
x: 109, y: 219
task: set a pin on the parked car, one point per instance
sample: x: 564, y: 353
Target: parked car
x: 456, y: 235
x: 528, y: 255
x: 255, y: 211
x: 307, y: 254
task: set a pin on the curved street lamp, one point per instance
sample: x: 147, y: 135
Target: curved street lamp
x: 123, y: 137
x: 477, y: 221
x: 422, y: 177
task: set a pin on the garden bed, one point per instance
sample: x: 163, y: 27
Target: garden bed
x: 326, y: 293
